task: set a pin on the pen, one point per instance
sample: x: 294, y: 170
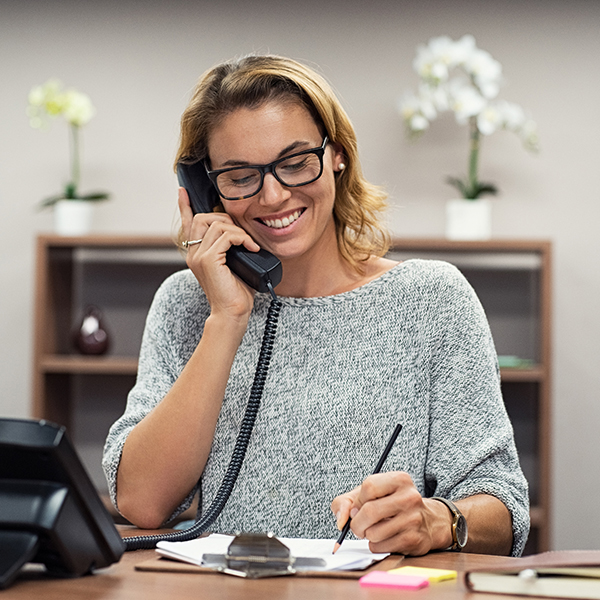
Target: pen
x: 377, y: 468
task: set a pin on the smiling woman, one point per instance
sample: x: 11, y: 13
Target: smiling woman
x: 257, y: 135
x: 257, y: 80
x: 362, y: 343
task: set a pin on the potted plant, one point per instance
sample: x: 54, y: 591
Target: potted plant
x: 459, y: 77
x: 72, y: 209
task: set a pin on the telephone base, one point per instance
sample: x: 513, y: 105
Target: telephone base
x: 16, y: 549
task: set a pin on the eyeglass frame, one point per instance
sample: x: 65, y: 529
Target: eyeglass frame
x: 269, y: 168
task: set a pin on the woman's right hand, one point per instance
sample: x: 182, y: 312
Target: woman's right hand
x: 226, y: 294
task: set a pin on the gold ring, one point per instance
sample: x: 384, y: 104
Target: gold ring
x: 187, y: 244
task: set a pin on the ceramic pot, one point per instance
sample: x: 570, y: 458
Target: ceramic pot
x: 469, y: 219
x: 73, y: 217
x: 91, y: 337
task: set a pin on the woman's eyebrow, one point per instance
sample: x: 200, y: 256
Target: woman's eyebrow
x: 298, y: 145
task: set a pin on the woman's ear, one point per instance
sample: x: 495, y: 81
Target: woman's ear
x: 339, y: 157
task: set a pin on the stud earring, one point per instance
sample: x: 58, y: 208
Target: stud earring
x: 341, y: 166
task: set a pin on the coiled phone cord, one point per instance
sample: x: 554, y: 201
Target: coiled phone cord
x: 145, y: 542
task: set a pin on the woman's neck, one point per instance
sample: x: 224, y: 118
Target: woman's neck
x: 328, y: 276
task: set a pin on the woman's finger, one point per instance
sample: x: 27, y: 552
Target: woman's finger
x: 381, y: 485
x: 201, y: 224
x: 221, y: 229
x: 342, y: 505
x: 185, y: 210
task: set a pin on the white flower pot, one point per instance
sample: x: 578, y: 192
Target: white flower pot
x: 73, y: 217
x: 469, y: 219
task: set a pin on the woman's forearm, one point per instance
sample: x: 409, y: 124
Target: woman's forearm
x: 489, y: 523
x: 165, y: 454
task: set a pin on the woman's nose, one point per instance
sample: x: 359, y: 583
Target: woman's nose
x: 272, y: 191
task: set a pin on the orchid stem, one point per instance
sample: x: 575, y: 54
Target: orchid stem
x: 75, y: 165
x: 473, y: 156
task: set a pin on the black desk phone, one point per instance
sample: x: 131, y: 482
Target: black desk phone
x: 257, y: 269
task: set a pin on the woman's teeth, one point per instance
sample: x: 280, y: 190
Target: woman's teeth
x: 280, y: 223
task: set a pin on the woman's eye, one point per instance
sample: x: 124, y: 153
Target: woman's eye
x: 242, y: 180
x: 295, y: 165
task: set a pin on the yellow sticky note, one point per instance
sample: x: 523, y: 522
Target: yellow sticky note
x: 433, y: 575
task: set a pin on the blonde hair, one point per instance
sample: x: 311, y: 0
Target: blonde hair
x: 251, y: 81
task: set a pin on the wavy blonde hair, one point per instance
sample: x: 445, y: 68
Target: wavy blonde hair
x: 250, y: 82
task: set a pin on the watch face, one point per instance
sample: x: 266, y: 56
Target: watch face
x: 461, y: 531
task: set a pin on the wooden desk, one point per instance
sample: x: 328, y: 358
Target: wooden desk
x: 122, y: 582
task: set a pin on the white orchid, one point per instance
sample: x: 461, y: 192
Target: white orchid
x: 433, y: 100
x: 513, y: 115
x: 49, y: 101
x: 463, y: 49
x: 411, y: 108
x: 78, y: 108
x: 428, y: 65
x: 466, y: 102
x: 529, y: 135
x: 458, y: 76
x: 489, y: 120
x: 485, y: 72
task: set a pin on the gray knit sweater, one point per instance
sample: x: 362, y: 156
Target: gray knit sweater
x: 412, y: 347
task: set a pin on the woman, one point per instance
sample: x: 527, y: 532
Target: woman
x: 362, y: 344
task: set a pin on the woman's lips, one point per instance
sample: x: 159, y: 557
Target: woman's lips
x: 284, y: 222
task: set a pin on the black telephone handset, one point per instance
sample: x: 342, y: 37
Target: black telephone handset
x: 257, y: 269
x: 262, y: 271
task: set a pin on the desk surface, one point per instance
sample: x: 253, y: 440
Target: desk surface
x: 123, y: 582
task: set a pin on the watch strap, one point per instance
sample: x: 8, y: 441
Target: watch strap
x: 456, y: 516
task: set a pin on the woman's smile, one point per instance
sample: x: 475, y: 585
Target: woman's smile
x: 282, y: 221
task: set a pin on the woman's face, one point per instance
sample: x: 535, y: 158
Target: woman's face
x: 290, y: 222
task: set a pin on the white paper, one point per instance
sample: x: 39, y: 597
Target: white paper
x: 352, y: 555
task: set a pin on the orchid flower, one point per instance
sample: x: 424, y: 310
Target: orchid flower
x: 49, y: 101
x: 459, y: 77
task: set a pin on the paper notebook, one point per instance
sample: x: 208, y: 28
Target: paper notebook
x: 353, y: 554
x: 562, y: 574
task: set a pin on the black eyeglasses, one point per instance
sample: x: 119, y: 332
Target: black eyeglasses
x: 238, y: 183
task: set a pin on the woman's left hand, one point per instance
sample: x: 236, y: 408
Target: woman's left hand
x: 388, y: 510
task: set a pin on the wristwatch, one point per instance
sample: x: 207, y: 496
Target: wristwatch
x: 460, y: 533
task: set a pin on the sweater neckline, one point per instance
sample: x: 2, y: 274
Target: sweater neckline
x: 350, y: 294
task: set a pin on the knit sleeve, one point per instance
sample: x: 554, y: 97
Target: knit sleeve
x: 472, y: 449
x: 160, y: 363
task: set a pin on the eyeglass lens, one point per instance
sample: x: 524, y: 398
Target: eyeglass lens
x: 246, y: 181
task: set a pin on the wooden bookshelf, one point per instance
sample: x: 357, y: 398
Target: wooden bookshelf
x: 120, y: 275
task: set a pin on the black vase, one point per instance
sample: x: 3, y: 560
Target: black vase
x: 91, y: 336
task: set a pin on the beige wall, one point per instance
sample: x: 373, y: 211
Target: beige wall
x: 138, y: 61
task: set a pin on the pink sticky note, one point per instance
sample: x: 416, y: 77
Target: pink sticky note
x: 389, y: 580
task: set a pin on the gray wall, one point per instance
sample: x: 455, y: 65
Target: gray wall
x: 139, y: 60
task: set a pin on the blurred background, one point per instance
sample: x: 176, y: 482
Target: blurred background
x: 139, y: 60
